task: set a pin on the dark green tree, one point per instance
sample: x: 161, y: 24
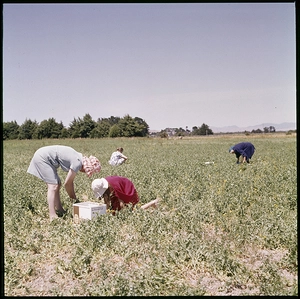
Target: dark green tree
x: 10, y: 130
x: 194, y: 130
x: 87, y: 124
x: 113, y: 120
x: 143, y: 128
x: 102, y: 129
x: 64, y: 133
x: 28, y: 130
x: 270, y: 129
x: 180, y: 132
x: 115, y: 131
x: 49, y: 129
x: 203, y: 130
x: 132, y: 127
x: 128, y: 126
x: 74, y: 128
x: 256, y: 131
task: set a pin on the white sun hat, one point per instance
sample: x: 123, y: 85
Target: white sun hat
x: 99, y: 186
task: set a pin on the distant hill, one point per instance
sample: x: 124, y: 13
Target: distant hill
x: 278, y: 127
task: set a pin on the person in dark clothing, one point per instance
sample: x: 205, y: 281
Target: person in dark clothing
x: 244, y: 150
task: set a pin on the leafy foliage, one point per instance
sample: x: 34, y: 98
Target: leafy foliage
x: 28, y: 130
x: 10, y: 130
x: 49, y: 129
x: 203, y: 130
x: 79, y: 128
x: 220, y: 229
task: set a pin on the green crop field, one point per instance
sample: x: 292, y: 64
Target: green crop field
x: 220, y: 229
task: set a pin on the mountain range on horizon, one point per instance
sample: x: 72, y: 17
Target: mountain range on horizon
x: 286, y: 126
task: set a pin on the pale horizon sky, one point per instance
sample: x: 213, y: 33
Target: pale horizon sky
x: 173, y: 65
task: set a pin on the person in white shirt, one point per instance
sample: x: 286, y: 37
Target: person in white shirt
x: 117, y: 157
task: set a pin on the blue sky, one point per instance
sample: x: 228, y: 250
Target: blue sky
x: 173, y: 65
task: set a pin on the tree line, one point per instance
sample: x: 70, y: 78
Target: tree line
x: 86, y: 127
x: 113, y: 126
x: 180, y: 132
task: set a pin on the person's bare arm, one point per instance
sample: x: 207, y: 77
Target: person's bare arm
x: 152, y: 203
x: 107, y: 200
x: 124, y: 157
x: 122, y: 204
x: 69, y: 184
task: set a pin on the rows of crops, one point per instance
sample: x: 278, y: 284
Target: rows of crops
x: 220, y: 229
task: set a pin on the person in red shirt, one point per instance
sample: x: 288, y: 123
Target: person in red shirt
x: 118, y: 192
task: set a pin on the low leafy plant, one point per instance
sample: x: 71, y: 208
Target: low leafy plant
x: 219, y: 229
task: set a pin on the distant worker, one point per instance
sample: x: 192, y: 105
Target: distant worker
x: 44, y: 164
x: 244, y: 150
x: 117, y: 157
x: 118, y: 192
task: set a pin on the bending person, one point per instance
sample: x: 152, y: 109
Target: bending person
x: 45, y: 163
x: 244, y: 150
x: 118, y: 192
